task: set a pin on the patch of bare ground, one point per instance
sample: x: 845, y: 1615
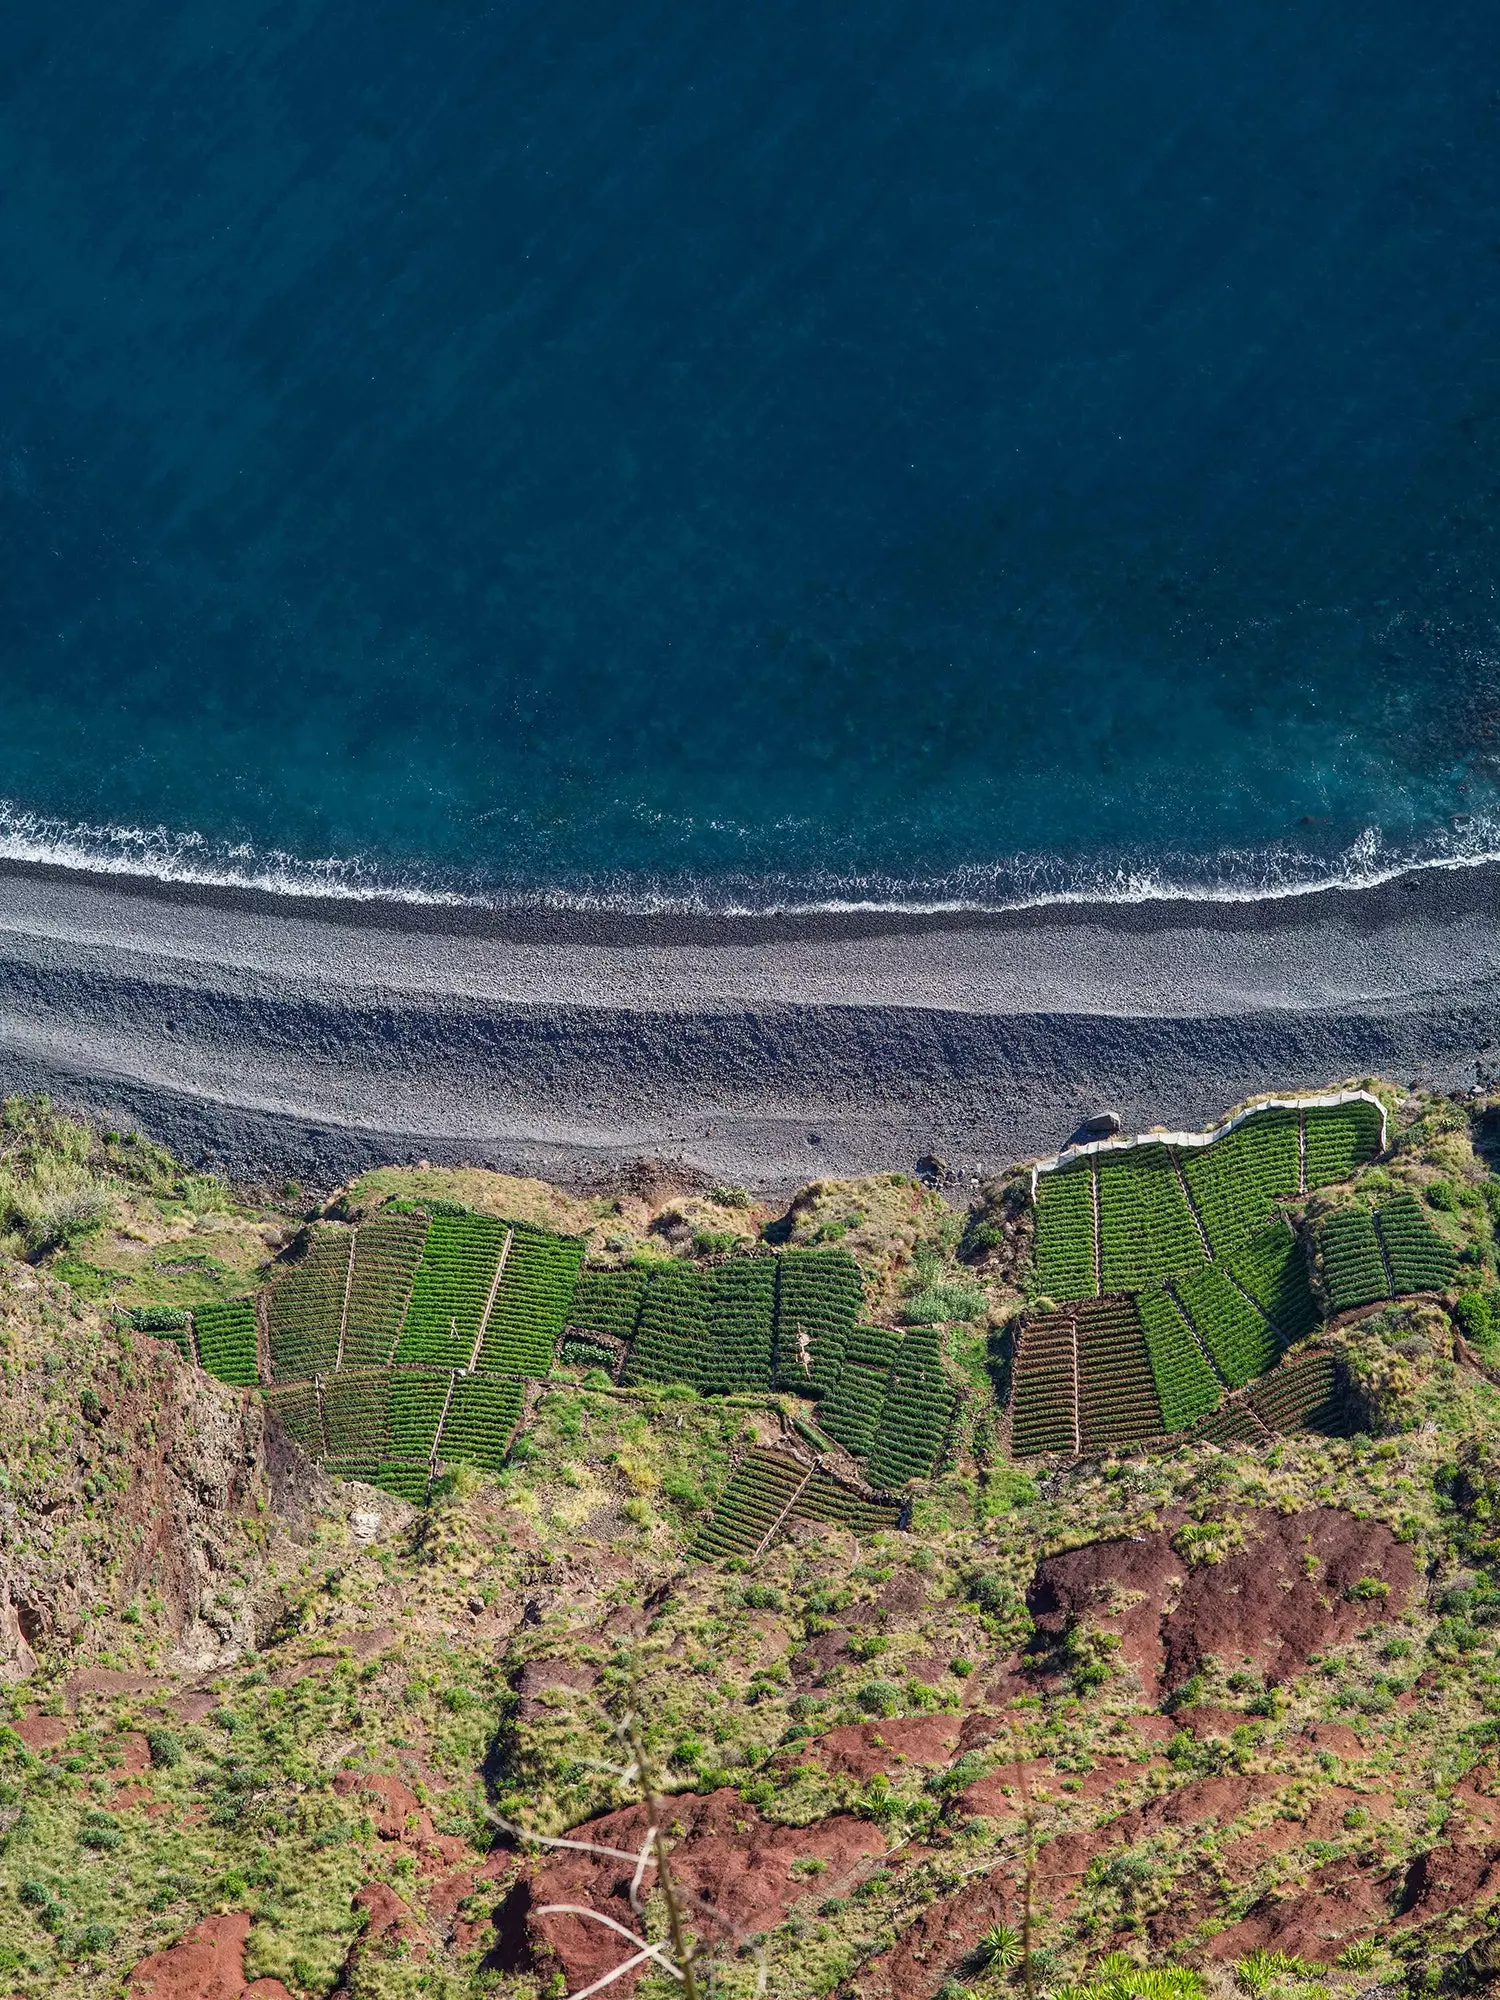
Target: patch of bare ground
x: 1294, y: 1588
x: 736, y: 1867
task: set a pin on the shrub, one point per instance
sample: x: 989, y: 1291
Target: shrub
x: 761, y: 1597
x: 1476, y: 1319
x: 933, y: 1304
x: 1368, y: 1590
x: 1441, y: 1195
x: 881, y: 1698
x: 165, y: 1748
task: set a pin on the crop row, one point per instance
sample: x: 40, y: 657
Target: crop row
x: 1272, y: 1268
x: 672, y: 1342
x: 1233, y: 1424
x: 819, y: 1296
x: 1337, y: 1139
x: 417, y: 1400
x: 1236, y: 1333
x: 387, y: 1251
x: 756, y: 1495
x: 296, y: 1403
x: 1185, y: 1383
x: 1236, y: 1181
x: 225, y: 1337
x: 1043, y: 1406
x: 357, y: 1413
x: 305, y: 1307
x: 1146, y: 1229
x: 825, y: 1498
x: 408, y: 1482
x: 1301, y: 1396
x: 1420, y: 1260
x: 918, y: 1408
x: 481, y: 1420
x: 852, y: 1413
x: 608, y: 1302
x: 1117, y: 1400
x: 450, y: 1290
x: 1354, y: 1271
x: 531, y: 1303
x: 1065, y: 1233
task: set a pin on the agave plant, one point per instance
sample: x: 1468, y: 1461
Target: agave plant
x: 1261, y: 1969
x: 1359, y: 1957
x: 1000, y: 1947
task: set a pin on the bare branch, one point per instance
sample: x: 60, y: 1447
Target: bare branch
x: 625, y: 1965
x: 557, y: 1840
x: 656, y: 1951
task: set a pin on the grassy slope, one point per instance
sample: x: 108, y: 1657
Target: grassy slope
x: 478, y: 1652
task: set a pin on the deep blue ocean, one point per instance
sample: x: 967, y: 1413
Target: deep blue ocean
x: 803, y: 452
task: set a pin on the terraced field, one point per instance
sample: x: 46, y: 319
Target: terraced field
x: 1204, y: 1283
x: 769, y: 1489
x: 1117, y: 1399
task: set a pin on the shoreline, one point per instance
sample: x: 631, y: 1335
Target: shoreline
x: 266, y: 1034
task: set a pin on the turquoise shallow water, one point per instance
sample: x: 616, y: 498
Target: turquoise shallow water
x: 790, y: 454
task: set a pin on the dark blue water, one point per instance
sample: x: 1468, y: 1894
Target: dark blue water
x: 803, y: 450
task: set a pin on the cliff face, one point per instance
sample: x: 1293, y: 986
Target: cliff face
x: 135, y: 1488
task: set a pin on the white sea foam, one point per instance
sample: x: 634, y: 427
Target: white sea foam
x: 1025, y: 881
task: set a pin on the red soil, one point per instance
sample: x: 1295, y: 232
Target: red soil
x: 862, y: 1749
x: 730, y: 1860
x: 1270, y: 1604
x: 41, y: 1732
x: 207, y: 1963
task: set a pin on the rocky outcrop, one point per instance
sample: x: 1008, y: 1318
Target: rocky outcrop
x: 132, y: 1474
x: 1297, y: 1584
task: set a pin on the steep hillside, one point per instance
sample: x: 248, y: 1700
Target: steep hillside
x: 1228, y: 1706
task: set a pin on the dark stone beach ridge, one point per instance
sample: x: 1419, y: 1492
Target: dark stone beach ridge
x: 260, y: 1033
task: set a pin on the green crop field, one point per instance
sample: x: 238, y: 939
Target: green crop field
x: 740, y: 1320
x: 1272, y: 1268
x: 761, y: 1492
x: 825, y: 1498
x: 305, y: 1307
x: 672, y: 1339
x: 1117, y: 1399
x: 1065, y: 1232
x: 357, y: 1414
x: 851, y: 1415
x: 760, y: 1489
x: 225, y: 1336
x: 608, y: 1302
x: 532, y: 1303
x: 450, y: 1290
x: 1236, y: 1182
x: 1354, y: 1272
x: 918, y: 1408
x: 1043, y: 1402
x: 1237, y: 1335
x: 819, y: 1296
x: 296, y: 1404
x: 481, y: 1420
x: 1302, y: 1395
x: 1339, y: 1138
x: 1419, y: 1259
x: 1187, y: 1386
x: 1146, y: 1229
x: 417, y: 1399
x: 387, y: 1251
x: 1230, y: 1424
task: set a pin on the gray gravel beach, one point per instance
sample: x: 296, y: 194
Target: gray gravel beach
x: 262, y: 1034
